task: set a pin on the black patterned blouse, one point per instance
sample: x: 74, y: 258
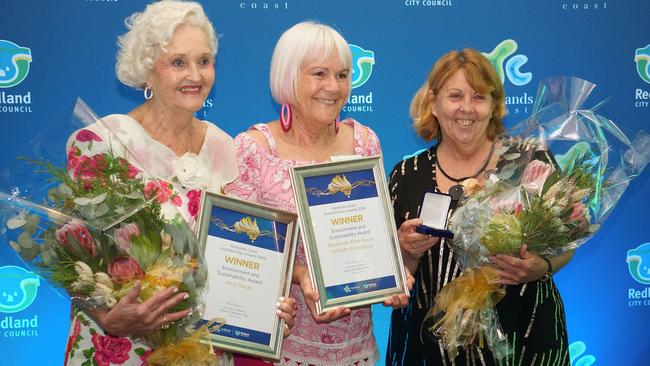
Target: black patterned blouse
x: 531, y: 315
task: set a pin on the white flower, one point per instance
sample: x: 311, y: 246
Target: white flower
x: 80, y: 285
x: 105, y: 294
x: 84, y: 272
x: 191, y: 171
x: 104, y: 279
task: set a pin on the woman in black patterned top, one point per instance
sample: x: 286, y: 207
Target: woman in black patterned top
x: 461, y: 106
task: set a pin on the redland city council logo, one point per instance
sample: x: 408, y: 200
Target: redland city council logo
x: 18, y: 290
x: 638, y: 264
x: 14, y: 68
x: 363, y: 61
x: 510, y: 66
x: 14, y: 63
x: 642, y: 61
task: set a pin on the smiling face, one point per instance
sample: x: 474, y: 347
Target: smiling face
x: 322, y: 90
x: 182, y: 77
x: 463, y: 113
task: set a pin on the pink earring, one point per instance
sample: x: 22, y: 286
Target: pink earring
x: 285, y: 117
x: 337, y: 122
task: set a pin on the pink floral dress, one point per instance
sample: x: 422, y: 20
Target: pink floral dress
x: 264, y: 178
x: 175, y: 181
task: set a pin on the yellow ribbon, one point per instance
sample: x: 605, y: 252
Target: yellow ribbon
x: 462, y: 301
x: 189, y: 351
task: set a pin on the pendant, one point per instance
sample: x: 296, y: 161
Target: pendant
x: 456, y: 192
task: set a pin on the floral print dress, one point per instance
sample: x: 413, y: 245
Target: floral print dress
x: 175, y: 181
x: 264, y: 178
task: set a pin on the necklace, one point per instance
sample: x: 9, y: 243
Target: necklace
x: 457, y: 191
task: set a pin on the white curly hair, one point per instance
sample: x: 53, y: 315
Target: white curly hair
x: 149, y: 33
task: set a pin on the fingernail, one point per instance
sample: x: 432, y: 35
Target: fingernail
x: 281, y: 298
x: 277, y: 304
x: 174, y: 290
x: 278, y: 312
x: 190, y: 313
x: 186, y: 296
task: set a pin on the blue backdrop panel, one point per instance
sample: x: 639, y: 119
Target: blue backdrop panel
x: 52, y: 52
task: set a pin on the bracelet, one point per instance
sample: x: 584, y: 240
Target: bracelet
x: 549, y: 269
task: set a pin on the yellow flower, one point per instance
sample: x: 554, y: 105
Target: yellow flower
x: 164, y: 274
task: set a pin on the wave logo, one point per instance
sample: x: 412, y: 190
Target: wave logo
x: 638, y: 262
x: 642, y: 59
x: 576, y: 354
x: 513, y: 66
x: 14, y: 63
x: 18, y: 288
x: 362, y: 62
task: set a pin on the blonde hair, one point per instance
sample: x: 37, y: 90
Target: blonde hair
x: 149, y: 33
x: 480, y: 75
x: 305, y: 42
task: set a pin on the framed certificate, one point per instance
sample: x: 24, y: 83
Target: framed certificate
x: 349, y: 232
x: 250, y: 250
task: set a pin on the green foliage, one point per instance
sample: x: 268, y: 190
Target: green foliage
x: 541, y: 229
x: 503, y: 234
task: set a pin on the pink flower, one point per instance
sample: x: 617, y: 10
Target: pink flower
x: 87, y: 135
x: 578, y: 214
x: 177, y: 200
x: 73, y: 157
x: 518, y: 208
x: 76, y: 232
x: 160, y: 189
x: 89, y: 170
x: 194, y: 202
x: 73, y: 337
x: 124, y: 269
x: 245, y: 177
x: 132, y: 171
x: 144, y: 357
x: 505, y: 201
x: 109, y: 349
x: 194, y: 194
x: 535, y: 175
x: 123, y: 235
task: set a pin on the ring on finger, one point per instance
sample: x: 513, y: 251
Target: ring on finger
x: 164, y: 324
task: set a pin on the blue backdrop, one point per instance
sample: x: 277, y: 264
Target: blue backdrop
x: 64, y: 49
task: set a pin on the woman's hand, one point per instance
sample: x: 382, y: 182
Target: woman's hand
x: 301, y: 277
x: 128, y: 317
x: 401, y: 301
x: 527, y: 267
x: 413, y: 244
x: 286, y: 309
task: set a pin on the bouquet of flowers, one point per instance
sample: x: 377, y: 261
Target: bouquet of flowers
x: 559, y: 174
x: 100, y: 231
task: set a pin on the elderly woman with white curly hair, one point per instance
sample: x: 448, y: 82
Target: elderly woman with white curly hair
x: 168, y: 52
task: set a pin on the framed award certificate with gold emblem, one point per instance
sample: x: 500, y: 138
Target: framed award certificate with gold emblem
x: 250, y: 250
x: 349, y: 232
